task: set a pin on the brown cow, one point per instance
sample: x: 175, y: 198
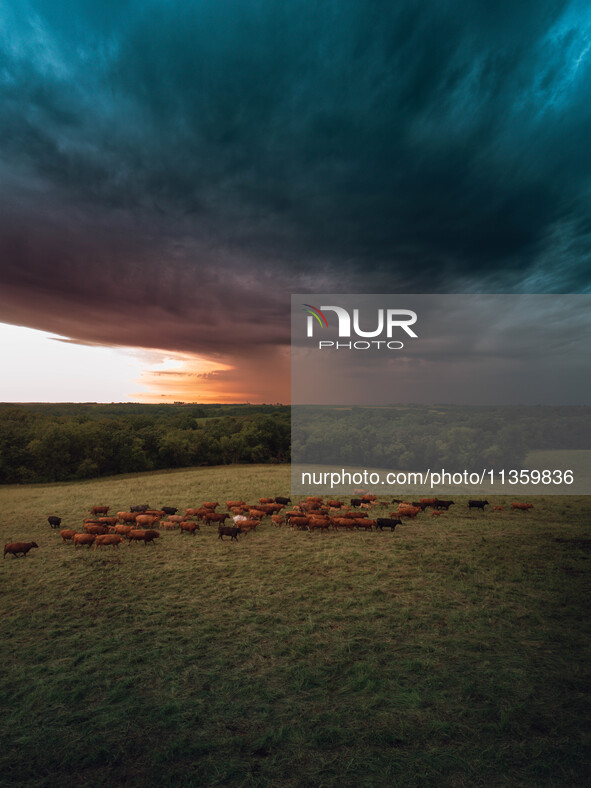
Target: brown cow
x: 123, y: 529
x: 233, y: 504
x: 199, y: 514
x: 157, y: 513
x: 498, y: 508
x: 367, y: 524
x: 96, y: 530
x: 407, y: 511
x: 147, y: 520
x: 68, y: 534
x: 99, y: 510
x: 14, y: 548
x: 108, y: 520
x: 311, y: 506
x: 522, y: 507
x: 108, y: 539
x: 277, y: 519
x: 127, y: 517
x: 293, y: 513
x: 212, y: 517
x: 272, y: 508
x: 189, y: 526
x: 266, y: 500
x: 84, y: 539
x: 319, y: 518
x: 299, y: 522
x: 247, y: 525
x: 436, y: 514
x: 190, y: 513
x: 211, y: 506
x: 322, y: 523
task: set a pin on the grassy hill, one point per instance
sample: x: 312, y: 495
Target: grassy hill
x: 452, y: 652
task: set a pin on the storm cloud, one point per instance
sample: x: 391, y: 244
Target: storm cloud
x: 170, y: 172
x: 468, y: 349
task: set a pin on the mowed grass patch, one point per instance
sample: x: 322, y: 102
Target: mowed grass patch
x: 452, y: 652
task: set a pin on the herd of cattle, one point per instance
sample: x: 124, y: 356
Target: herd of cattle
x: 141, y: 523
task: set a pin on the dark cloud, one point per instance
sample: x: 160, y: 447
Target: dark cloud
x: 101, y: 283
x: 171, y: 171
x: 469, y: 349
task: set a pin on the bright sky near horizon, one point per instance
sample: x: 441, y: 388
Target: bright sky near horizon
x: 44, y: 367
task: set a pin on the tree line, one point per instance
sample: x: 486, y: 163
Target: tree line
x: 419, y: 437
x: 52, y: 443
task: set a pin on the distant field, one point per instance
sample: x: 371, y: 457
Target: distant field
x: 454, y: 652
x: 578, y: 461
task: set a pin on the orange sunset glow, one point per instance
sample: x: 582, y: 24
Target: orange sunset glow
x: 193, y: 379
x: 51, y: 368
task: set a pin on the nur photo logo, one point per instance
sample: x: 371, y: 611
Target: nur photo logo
x: 387, y: 321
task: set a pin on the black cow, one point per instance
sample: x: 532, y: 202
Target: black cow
x: 478, y: 505
x: 356, y: 501
x: 443, y: 504
x: 283, y: 501
x: 54, y: 522
x: 228, y: 530
x: 140, y: 507
x: 168, y: 509
x: 387, y: 522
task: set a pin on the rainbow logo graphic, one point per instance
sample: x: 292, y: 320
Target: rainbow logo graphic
x: 312, y: 310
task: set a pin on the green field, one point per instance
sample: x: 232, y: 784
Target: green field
x: 454, y: 652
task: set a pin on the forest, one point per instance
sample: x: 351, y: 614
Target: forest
x: 419, y: 437
x: 53, y: 443
x: 65, y: 442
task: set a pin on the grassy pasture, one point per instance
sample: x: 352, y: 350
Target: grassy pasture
x: 454, y: 652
